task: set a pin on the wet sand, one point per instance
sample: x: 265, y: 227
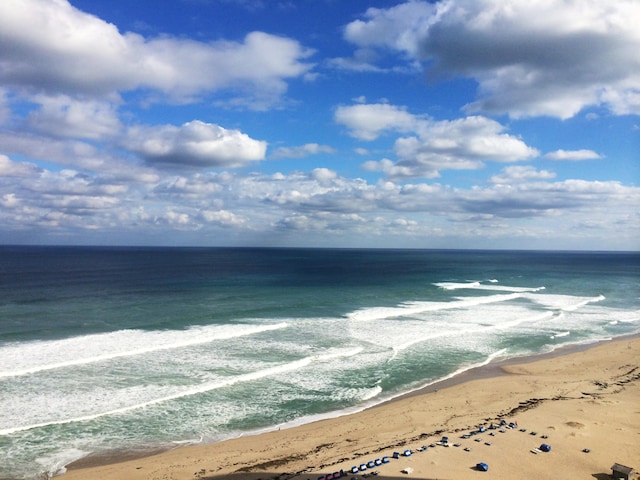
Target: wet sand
x: 585, y: 404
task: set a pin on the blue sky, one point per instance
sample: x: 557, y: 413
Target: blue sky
x: 323, y: 123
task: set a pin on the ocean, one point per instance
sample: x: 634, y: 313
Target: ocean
x: 105, y: 350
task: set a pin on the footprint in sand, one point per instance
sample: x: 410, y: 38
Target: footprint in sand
x: 574, y: 424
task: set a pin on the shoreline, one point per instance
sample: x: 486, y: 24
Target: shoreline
x: 257, y: 459
x: 488, y: 370
x: 496, y: 368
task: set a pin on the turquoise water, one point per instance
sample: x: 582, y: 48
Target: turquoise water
x: 105, y: 349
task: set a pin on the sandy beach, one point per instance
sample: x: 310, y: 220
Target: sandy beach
x: 585, y: 405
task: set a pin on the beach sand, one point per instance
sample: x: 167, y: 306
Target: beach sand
x: 588, y: 399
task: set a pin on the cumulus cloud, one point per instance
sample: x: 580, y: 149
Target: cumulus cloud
x: 547, y: 199
x: 518, y: 174
x: 59, y: 201
x: 76, y: 154
x: 323, y: 175
x: 363, y: 60
x: 301, y: 151
x: 368, y: 121
x: 194, y: 144
x: 529, y: 195
x: 67, y: 201
x: 384, y: 31
x: 8, y: 168
x: 62, y: 116
x: 575, y: 155
x: 52, y: 47
x: 222, y: 218
x: 460, y: 144
x: 396, y: 27
x: 529, y: 58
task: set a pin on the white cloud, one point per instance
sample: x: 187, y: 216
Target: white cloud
x: 301, y: 151
x: 461, y: 144
x: 385, y: 30
x: 194, y: 187
x: 397, y: 27
x: 323, y: 175
x: 573, y: 155
x: 299, y: 222
x: 76, y: 154
x: 368, y: 121
x: 475, y: 137
x: 51, y: 46
x: 392, y: 169
x: 547, y: 57
x: 63, y: 116
x: 520, y: 199
x: 194, y: 144
x: 518, y: 174
x: 8, y: 168
x: 223, y: 218
x: 363, y: 60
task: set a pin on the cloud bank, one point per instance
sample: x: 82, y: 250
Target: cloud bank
x: 528, y: 58
x: 52, y: 48
x: 462, y: 144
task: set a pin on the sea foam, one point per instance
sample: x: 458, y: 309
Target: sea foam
x: 36, y: 357
x: 198, y: 389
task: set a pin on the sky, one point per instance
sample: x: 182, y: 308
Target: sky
x: 499, y: 124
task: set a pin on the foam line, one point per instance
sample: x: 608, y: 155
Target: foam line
x: 456, y: 286
x: 412, y: 308
x: 477, y: 329
x: 372, y: 393
x: 571, y: 308
x: 567, y: 303
x: 628, y: 320
x: 191, y: 341
x: 480, y: 286
x: 199, y: 389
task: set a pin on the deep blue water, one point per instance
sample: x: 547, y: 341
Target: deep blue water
x: 117, y: 348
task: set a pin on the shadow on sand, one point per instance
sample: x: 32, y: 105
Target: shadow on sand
x: 319, y: 475
x: 306, y: 476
